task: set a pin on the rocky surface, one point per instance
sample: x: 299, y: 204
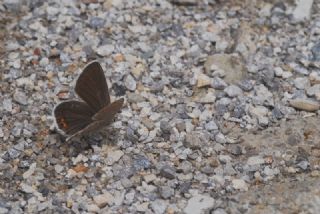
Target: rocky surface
x: 221, y: 106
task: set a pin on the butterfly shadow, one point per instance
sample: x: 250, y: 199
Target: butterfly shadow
x: 78, y: 145
x: 105, y: 136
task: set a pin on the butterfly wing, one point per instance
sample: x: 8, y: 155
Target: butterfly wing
x: 107, y: 113
x: 91, y: 127
x: 103, y: 118
x: 72, y: 116
x: 92, y: 86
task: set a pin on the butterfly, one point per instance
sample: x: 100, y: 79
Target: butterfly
x: 76, y: 118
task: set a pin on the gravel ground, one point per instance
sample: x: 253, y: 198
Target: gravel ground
x: 220, y: 116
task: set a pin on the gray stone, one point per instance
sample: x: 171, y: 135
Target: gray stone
x: 58, y: 168
x: 222, y: 105
x: 13, y: 5
x: 27, y: 188
x: 185, y: 187
x: 44, y: 62
x: 258, y: 111
x: 199, y: 204
x: 219, y: 211
x: 186, y: 167
x: 105, y: 50
x: 302, y: 11
x: 263, y: 121
x: 271, y: 172
x: 233, y: 91
x: 168, y: 172
x: 263, y: 96
x: 7, y: 105
x: 246, y: 85
x: 131, y: 135
x: 15, y: 73
x: 159, y: 206
x: 148, y: 123
x: 208, y: 170
x: 278, y: 71
x: 211, y: 125
x: 13, y: 153
x: 96, y: 22
x: 235, y: 149
x: 196, y: 140
x: 185, y: 2
x: 149, y: 178
x: 255, y: 160
x: 64, y: 57
x: 121, y: 171
x: 166, y: 192
x: 135, y: 98
x: 118, y: 197
x: 30, y: 171
x: 1, y: 133
x: 304, y: 165
x: 126, y: 183
x: 130, y: 83
x: 220, y: 138
x: 297, y: 68
x: 301, y: 83
x: 17, y: 129
x: 229, y: 170
x: 114, y: 156
x: 3, y: 210
x: 141, y: 162
x: 316, y: 54
x: 165, y: 127
x: 20, y: 97
x: 103, y: 199
x: 129, y: 198
x: 218, y: 83
x: 239, y: 184
x: 294, y: 139
x: 157, y: 87
x: 224, y: 159
x: 142, y: 207
x: 314, y: 90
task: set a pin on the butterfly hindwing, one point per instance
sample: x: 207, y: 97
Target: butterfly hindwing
x: 92, y: 86
x: 72, y: 116
x: 108, y: 112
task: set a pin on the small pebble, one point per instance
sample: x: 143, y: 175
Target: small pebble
x: 239, y: 184
x: 130, y: 83
x: 20, y: 97
x: 305, y: 104
x: 199, y: 203
x: 103, y: 199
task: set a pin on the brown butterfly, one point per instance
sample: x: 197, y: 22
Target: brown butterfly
x: 75, y: 118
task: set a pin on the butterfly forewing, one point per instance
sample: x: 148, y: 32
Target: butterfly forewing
x: 92, y: 86
x: 72, y: 116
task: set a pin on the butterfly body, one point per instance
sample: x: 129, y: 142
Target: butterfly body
x: 76, y: 117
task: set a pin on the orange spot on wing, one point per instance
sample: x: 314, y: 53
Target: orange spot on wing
x: 62, y: 123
